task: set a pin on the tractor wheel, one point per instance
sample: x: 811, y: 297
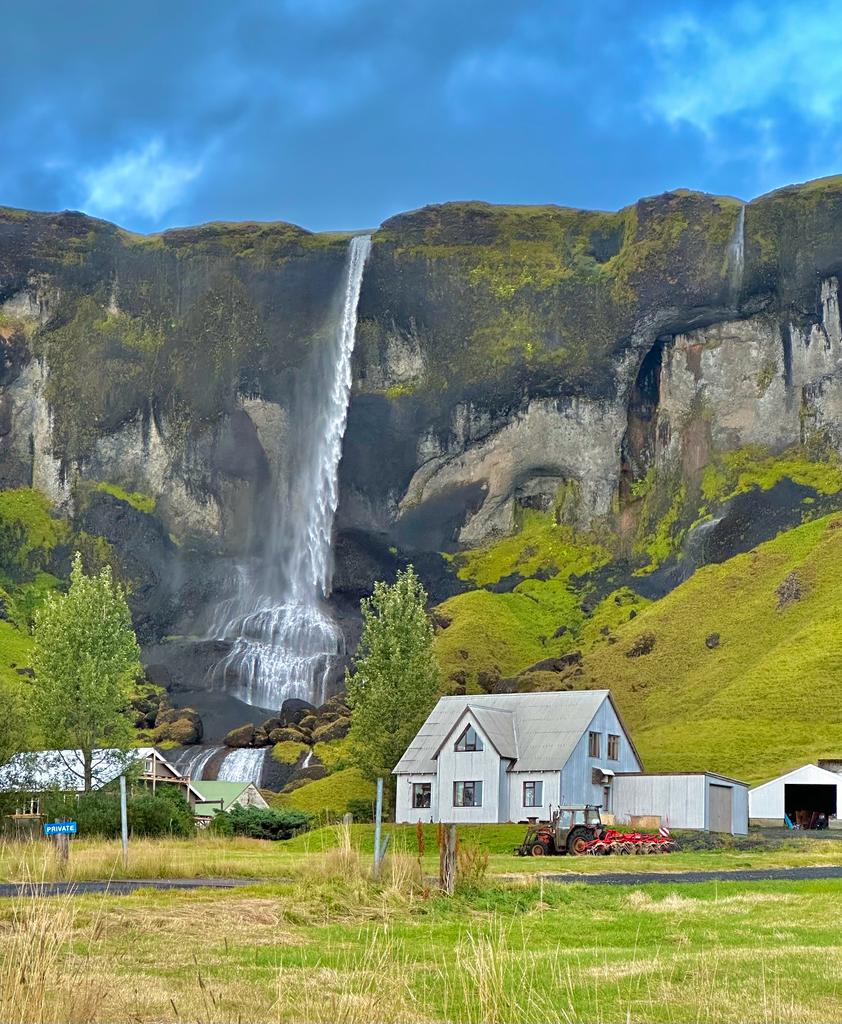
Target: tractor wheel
x: 578, y: 840
x: 538, y: 849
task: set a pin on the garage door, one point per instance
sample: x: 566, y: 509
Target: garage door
x: 719, y: 816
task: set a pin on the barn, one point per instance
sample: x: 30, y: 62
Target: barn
x: 807, y: 790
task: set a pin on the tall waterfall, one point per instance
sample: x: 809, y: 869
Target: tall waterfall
x: 284, y: 641
x: 736, y: 253
x: 244, y: 765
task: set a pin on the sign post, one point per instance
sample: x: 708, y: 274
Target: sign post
x: 124, y: 823
x: 61, y: 831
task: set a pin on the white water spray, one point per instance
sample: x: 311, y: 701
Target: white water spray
x: 193, y: 763
x: 284, y: 641
x: 243, y: 765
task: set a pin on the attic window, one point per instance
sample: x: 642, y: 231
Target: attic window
x: 469, y: 740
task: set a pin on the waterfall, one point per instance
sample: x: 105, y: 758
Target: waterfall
x: 193, y: 761
x: 736, y: 253
x: 284, y: 641
x: 243, y: 765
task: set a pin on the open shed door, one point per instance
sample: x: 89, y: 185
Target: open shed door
x: 720, y: 808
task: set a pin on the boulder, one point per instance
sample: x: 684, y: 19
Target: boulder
x: 243, y: 736
x: 335, y: 730
x: 182, y: 731
x: 308, y: 723
x: 642, y: 645
x: 289, y: 734
x: 293, y: 710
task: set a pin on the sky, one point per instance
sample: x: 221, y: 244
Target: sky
x: 336, y: 114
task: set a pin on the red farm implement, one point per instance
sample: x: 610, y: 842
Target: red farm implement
x: 578, y: 830
x: 613, y: 841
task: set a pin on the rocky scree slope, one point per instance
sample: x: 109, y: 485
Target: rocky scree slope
x: 557, y: 414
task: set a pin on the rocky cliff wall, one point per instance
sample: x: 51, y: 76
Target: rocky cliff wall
x: 507, y: 358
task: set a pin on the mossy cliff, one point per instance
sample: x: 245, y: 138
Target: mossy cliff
x: 557, y: 414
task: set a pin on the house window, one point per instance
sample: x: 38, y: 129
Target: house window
x: 469, y: 740
x: 467, y: 794
x: 533, y: 794
x: 606, y: 799
x: 594, y: 744
x: 613, y: 747
x: 421, y: 794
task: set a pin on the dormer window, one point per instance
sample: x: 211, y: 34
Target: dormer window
x: 469, y: 740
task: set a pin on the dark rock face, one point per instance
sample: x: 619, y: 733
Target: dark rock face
x: 243, y: 736
x: 503, y: 353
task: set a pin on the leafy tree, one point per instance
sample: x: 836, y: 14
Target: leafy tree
x: 395, y: 682
x: 85, y: 658
x: 166, y: 813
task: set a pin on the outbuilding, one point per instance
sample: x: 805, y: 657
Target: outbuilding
x: 692, y: 800
x: 808, y: 790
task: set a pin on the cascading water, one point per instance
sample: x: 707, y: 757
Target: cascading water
x: 736, y: 253
x: 193, y: 761
x: 243, y: 765
x: 283, y: 639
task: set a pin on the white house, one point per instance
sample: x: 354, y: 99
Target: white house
x: 809, y: 788
x: 511, y: 757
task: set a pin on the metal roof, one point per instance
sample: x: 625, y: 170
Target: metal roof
x: 539, y: 730
x: 213, y: 792
x: 63, y: 770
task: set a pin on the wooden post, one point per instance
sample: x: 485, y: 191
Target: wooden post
x: 63, y: 849
x: 447, y: 859
x: 124, y: 823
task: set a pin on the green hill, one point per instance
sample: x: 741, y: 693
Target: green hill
x: 765, y: 698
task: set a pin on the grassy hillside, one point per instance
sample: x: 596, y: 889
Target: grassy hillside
x: 768, y: 697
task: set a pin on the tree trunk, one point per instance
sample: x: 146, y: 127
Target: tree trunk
x: 87, y: 761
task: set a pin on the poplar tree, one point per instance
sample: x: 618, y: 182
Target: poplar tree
x: 395, y: 681
x: 85, y: 659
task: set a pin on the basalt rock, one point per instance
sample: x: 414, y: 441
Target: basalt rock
x: 243, y: 736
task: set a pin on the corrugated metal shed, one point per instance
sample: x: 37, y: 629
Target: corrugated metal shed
x: 545, y: 727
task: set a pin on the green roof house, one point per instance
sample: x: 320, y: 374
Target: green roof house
x: 223, y: 796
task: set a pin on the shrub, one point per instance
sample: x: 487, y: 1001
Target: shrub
x: 166, y: 813
x: 258, y: 823
x: 362, y: 810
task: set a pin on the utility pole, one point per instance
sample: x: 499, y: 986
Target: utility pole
x: 379, y: 848
x: 124, y: 823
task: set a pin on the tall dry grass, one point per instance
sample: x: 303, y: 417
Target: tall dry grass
x: 42, y: 979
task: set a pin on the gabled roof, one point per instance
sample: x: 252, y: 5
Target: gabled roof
x: 497, y: 726
x: 543, y: 732
x: 64, y: 771
x: 210, y: 793
x: 811, y: 773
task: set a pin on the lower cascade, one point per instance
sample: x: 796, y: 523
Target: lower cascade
x: 283, y: 639
x: 243, y: 765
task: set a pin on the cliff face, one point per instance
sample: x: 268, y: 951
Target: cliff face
x: 595, y: 369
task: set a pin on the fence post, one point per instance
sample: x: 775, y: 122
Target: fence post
x: 447, y: 860
x: 378, y: 818
x: 124, y: 823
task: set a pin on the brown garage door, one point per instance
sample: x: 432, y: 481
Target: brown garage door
x: 719, y: 817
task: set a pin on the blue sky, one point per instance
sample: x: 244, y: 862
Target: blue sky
x: 339, y: 113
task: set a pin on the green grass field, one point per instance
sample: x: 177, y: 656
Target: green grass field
x: 336, y: 947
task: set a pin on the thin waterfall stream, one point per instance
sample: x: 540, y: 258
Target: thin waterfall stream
x: 284, y: 641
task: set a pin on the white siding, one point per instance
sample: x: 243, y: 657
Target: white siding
x: 681, y: 801
x: 404, y: 811
x: 551, y: 795
x: 767, y: 801
x: 469, y: 766
x: 678, y: 799
x: 577, y: 786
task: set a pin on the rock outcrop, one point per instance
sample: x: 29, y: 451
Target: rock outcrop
x: 590, y: 366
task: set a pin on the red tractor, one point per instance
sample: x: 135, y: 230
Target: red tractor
x: 571, y: 830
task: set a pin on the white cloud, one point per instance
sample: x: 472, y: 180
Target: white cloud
x: 141, y: 183
x: 785, y: 55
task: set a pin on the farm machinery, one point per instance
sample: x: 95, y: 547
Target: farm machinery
x: 579, y: 830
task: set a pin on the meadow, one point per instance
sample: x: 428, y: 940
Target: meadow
x: 322, y: 941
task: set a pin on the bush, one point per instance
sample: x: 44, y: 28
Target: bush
x: 166, y: 813
x: 97, y: 813
x: 362, y: 810
x: 258, y: 823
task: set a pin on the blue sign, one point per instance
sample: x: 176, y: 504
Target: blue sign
x: 60, y: 828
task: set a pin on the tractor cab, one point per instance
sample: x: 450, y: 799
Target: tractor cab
x: 569, y: 831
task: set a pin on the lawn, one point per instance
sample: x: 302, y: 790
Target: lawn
x: 218, y: 857
x: 333, y: 946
